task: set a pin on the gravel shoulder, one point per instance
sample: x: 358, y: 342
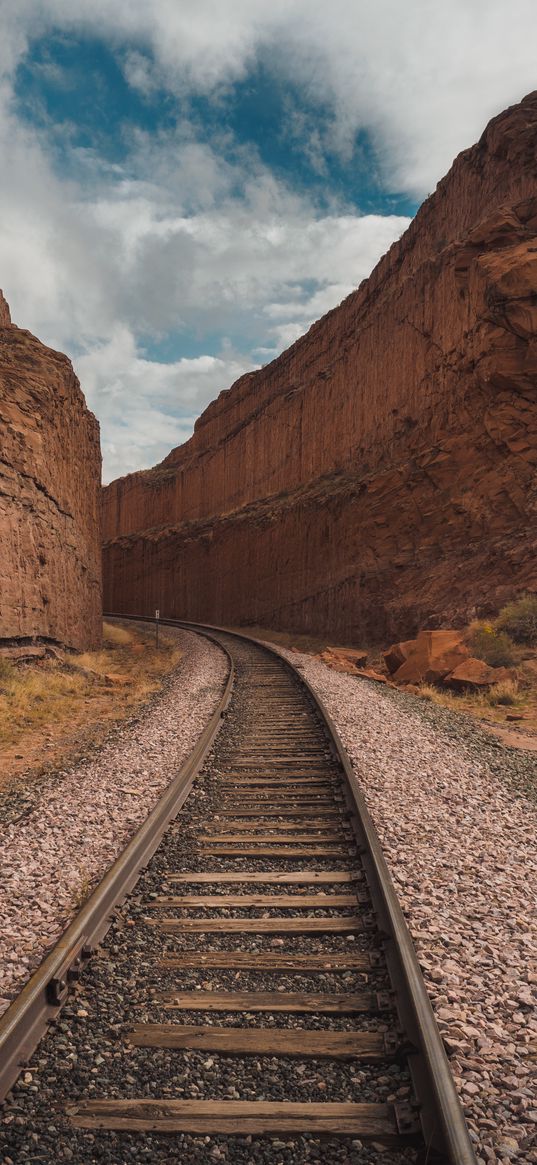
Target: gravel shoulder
x: 58, y: 841
x: 456, y: 818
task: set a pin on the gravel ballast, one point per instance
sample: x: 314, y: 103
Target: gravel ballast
x: 460, y: 844
x: 57, y: 850
x: 460, y: 841
x: 87, y: 1053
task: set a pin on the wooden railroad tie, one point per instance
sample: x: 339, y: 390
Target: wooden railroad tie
x: 243, y: 758
x: 301, y: 743
x: 331, y: 814
x: 282, y: 792
x: 276, y: 782
x: 277, y: 766
x: 330, y: 924
x: 333, y: 835
x: 236, y: 960
x: 281, y: 787
x: 283, y: 799
x: 272, y: 1001
x: 242, y: 1117
x: 280, y: 805
x: 307, y: 877
x: 260, y: 1041
x: 302, y: 751
x: 281, y: 851
x: 298, y: 823
x: 284, y: 784
x: 261, y: 901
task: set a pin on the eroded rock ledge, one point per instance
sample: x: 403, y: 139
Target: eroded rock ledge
x: 383, y: 469
x: 50, y: 469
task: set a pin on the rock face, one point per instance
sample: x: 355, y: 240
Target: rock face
x: 50, y: 468
x: 382, y: 471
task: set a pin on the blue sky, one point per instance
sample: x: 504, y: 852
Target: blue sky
x: 187, y: 187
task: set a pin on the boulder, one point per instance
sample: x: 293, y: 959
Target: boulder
x: 435, y: 655
x: 474, y: 673
x: 397, y: 654
x: 367, y: 673
x: 344, y: 659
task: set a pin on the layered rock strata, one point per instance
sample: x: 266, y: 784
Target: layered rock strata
x: 382, y: 471
x: 50, y: 469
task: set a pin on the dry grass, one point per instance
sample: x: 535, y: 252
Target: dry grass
x: 32, y: 695
x: 507, y: 694
x: 59, y: 704
x: 439, y: 696
x: 116, y: 636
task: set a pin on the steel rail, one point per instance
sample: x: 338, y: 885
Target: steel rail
x: 442, y: 1119
x: 28, y: 1016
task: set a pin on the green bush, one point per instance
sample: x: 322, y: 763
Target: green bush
x: 492, y: 646
x: 519, y: 620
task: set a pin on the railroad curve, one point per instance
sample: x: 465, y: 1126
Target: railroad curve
x: 260, y: 982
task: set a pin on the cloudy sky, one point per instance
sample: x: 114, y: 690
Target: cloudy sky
x: 187, y: 184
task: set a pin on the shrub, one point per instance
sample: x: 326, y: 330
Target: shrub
x: 519, y: 620
x: 506, y: 693
x: 492, y: 646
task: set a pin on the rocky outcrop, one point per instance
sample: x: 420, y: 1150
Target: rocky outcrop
x: 5, y: 314
x: 429, y: 658
x: 382, y: 471
x: 50, y: 462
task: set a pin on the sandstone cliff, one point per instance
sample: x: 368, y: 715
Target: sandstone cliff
x: 382, y: 471
x: 50, y: 462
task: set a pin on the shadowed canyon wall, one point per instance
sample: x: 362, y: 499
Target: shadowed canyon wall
x: 382, y: 471
x: 50, y: 472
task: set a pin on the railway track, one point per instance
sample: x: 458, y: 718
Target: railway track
x: 257, y: 996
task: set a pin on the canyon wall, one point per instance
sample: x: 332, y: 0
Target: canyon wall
x: 382, y: 471
x: 50, y: 472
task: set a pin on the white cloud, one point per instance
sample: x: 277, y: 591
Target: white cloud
x: 179, y: 241
x: 423, y: 77
x: 194, y: 238
x: 146, y: 407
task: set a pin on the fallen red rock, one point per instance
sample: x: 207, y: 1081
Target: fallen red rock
x: 433, y: 655
x: 474, y: 673
x: 368, y: 673
x: 397, y: 654
x: 344, y: 659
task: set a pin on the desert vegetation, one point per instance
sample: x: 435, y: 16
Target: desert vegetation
x: 62, y: 702
x: 508, y: 641
x: 519, y: 620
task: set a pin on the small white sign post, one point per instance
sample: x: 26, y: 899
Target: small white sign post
x: 157, y: 617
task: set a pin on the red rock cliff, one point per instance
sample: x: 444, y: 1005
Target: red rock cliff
x: 383, y: 469
x: 50, y: 469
